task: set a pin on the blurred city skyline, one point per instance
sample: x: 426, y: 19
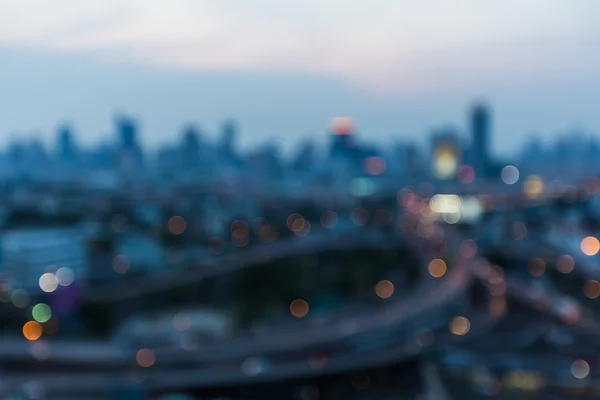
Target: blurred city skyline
x: 283, y: 72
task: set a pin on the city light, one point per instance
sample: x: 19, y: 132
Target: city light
x: 41, y: 312
x: 342, y: 126
x: 510, y: 174
x: 590, y: 246
x: 533, y: 187
x: 384, y: 289
x: 580, y: 369
x: 65, y: 276
x: 329, y: 219
x: 145, y: 358
x: 445, y: 162
x: 32, y: 330
x: 20, y: 298
x: 176, y: 225
x: 460, y: 326
x: 437, y: 268
x: 446, y: 203
x: 565, y: 264
x: 537, y: 267
x: 48, y: 282
x: 299, y: 308
x: 592, y: 289
x: 374, y: 165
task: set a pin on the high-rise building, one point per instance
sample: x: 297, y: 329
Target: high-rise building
x: 481, y: 137
x: 228, y: 137
x: 305, y: 157
x: 130, y: 152
x: 127, y: 132
x: 342, y: 140
x: 65, y: 144
x: 190, y: 150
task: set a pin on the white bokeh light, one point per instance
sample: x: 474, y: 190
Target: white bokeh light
x: 48, y: 282
x: 510, y: 175
x: 65, y: 276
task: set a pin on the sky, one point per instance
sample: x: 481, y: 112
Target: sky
x: 283, y: 69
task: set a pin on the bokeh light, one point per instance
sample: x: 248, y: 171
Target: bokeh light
x: 468, y: 249
x: 437, y: 268
x: 32, y: 330
x: 181, y: 321
x: 510, y: 174
x: 120, y: 264
x: 580, y: 369
x: 145, y: 358
x: 591, y: 289
x: 460, y: 326
x: 41, y: 312
x: 299, y: 308
x: 374, y: 165
x: 176, y: 225
x: 384, y: 289
x: 342, y: 126
x: 536, y: 267
x: 329, y: 219
x: 20, y: 298
x: 533, y: 187
x: 590, y: 246
x: 48, y: 282
x: 518, y: 230
x: 565, y: 264
x: 465, y: 174
x: 65, y: 276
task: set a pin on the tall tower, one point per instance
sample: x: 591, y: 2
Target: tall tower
x: 481, y: 132
x: 190, y: 151
x: 65, y: 143
x: 228, y: 137
x: 127, y: 131
x: 130, y: 152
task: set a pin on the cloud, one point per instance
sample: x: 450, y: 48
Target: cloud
x: 385, y: 44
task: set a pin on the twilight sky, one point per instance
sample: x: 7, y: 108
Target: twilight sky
x: 284, y: 68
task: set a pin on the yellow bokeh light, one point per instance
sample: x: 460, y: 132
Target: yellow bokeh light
x: 533, y: 187
x: 590, y: 246
x: 446, y: 162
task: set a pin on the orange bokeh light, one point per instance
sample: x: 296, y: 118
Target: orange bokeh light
x: 32, y: 330
x: 590, y: 246
x: 342, y: 126
x: 437, y: 268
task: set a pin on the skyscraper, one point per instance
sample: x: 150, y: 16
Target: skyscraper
x: 480, y: 134
x: 65, y: 144
x: 130, y: 153
x: 190, y: 151
x: 342, y: 140
x: 228, y: 137
x: 127, y: 131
